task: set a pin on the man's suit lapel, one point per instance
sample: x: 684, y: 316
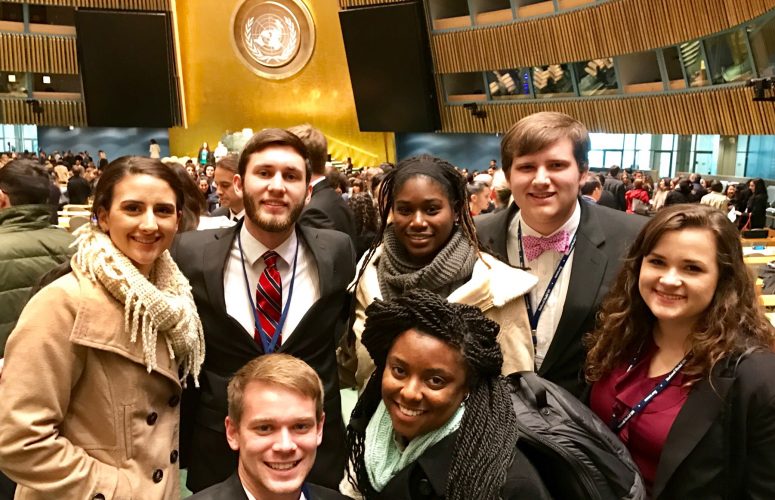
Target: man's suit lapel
x: 215, y: 255
x: 702, y: 408
x: 589, y: 264
x: 498, y: 238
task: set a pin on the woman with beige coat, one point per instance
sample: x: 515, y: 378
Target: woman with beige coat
x: 91, y: 385
x: 430, y: 243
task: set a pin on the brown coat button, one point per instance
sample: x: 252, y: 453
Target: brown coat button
x: 158, y: 474
x: 152, y: 418
x: 99, y: 496
x: 174, y: 456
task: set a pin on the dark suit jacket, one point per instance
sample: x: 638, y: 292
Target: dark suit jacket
x: 616, y: 187
x: 221, y: 212
x: 604, y: 236
x: 694, y: 463
x: 202, y: 256
x: 607, y: 200
x: 327, y: 210
x: 231, y: 489
x: 426, y: 478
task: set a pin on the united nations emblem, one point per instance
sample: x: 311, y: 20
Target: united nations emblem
x: 274, y: 38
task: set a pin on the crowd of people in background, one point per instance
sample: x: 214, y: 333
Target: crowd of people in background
x: 209, y: 312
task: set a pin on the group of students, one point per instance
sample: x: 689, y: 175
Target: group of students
x: 679, y: 358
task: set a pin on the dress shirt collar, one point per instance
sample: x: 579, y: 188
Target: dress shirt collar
x: 254, y: 249
x: 315, y: 182
x: 571, y: 225
x: 238, y: 216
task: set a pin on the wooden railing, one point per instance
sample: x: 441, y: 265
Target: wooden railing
x: 149, y: 5
x: 38, y: 53
x: 600, y: 30
x: 350, y: 4
x: 726, y: 111
x: 49, y: 113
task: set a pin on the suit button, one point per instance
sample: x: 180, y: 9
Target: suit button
x: 174, y: 400
x: 152, y: 418
x: 158, y: 474
x: 174, y: 456
x: 99, y: 496
x: 424, y: 487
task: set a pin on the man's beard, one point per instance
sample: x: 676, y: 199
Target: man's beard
x: 271, y: 223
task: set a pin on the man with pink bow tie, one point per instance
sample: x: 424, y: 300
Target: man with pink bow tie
x: 574, y: 248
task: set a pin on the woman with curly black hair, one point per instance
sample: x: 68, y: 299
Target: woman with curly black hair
x: 435, y: 419
x: 682, y: 361
x: 426, y: 239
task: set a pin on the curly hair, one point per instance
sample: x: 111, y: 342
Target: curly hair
x: 437, y: 169
x: 733, y: 323
x: 486, y: 440
x: 365, y: 213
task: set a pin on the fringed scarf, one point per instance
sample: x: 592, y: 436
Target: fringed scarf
x: 161, y: 303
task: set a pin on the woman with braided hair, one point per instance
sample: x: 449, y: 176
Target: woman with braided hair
x: 435, y: 419
x: 426, y: 239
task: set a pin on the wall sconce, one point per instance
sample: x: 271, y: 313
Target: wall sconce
x: 475, y: 111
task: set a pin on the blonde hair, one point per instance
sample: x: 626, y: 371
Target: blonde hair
x: 277, y: 369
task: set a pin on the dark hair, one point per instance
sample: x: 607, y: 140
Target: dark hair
x: 337, y: 179
x: 365, y: 213
x: 436, y: 169
x: 733, y: 322
x: 273, y: 137
x: 538, y: 131
x: 228, y: 162
x: 317, y: 146
x: 194, y: 204
x: 25, y: 182
x: 487, y: 437
x: 759, y: 187
x: 716, y: 186
x: 685, y: 186
x: 590, y: 185
x: 134, y: 165
x: 613, y: 171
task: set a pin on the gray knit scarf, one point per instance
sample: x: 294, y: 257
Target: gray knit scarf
x: 451, y: 267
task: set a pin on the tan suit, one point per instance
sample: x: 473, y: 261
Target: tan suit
x: 715, y: 200
x: 80, y: 415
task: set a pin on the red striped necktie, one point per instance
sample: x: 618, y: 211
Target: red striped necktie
x: 269, y: 299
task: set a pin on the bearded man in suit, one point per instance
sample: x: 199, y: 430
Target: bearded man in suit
x: 266, y: 284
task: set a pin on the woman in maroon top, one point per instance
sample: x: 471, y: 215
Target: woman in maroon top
x: 682, y: 361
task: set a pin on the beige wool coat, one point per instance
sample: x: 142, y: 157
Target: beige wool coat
x: 80, y: 416
x: 494, y: 287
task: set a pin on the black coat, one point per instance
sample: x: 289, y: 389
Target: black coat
x: 328, y: 210
x: 78, y: 191
x: 694, y: 464
x: 604, y: 236
x: 426, y: 478
x: 616, y: 187
x: 201, y: 256
x: 231, y: 489
x: 757, y: 207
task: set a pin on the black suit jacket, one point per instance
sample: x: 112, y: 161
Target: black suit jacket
x: 202, y: 256
x: 702, y: 459
x: 231, y: 489
x: 616, y: 187
x: 604, y: 236
x: 327, y: 210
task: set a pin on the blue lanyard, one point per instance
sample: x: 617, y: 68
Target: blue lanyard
x: 617, y: 425
x: 536, y: 315
x: 269, y: 347
x: 305, y: 491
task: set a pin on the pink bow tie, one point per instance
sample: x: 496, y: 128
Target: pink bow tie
x: 534, y: 246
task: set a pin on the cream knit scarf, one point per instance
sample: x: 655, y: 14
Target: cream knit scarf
x: 162, y: 303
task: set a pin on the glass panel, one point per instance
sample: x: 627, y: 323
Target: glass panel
x: 629, y: 141
x: 667, y: 142
x: 643, y: 158
x: 704, y: 163
x: 14, y: 84
x: 462, y: 87
x: 11, y: 12
x: 762, y: 37
x: 673, y: 64
x: 509, y: 84
x: 46, y: 82
x: 596, y: 159
x: 552, y: 81
x: 742, y: 155
x: 46, y: 14
x: 612, y: 158
x: 664, y: 163
x: 597, y: 77
x: 691, y: 53
x: 728, y: 57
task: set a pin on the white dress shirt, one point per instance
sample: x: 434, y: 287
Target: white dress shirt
x: 543, y: 267
x: 251, y: 497
x: 306, y: 287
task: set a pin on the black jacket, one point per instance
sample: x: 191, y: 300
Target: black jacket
x: 328, y: 210
x: 201, y: 256
x: 231, y: 489
x: 604, y: 236
x: 702, y: 459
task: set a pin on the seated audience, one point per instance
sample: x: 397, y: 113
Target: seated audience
x: 682, y: 361
x: 275, y: 423
x: 431, y: 243
x: 436, y: 420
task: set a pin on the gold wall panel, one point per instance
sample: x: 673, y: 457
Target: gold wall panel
x: 104, y: 4
x: 603, y: 30
x: 38, y: 53
x: 223, y: 95
x: 55, y: 113
x: 350, y: 4
x: 724, y: 111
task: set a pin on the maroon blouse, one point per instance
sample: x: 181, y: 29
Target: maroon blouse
x: 645, y: 434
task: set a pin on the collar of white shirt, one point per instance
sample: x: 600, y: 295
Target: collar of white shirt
x: 251, y: 497
x: 316, y: 181
x: 238, y: 216
x: 253, y: 249
x: 571, y: 225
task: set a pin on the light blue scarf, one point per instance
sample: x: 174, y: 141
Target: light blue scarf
x: 382, y: 456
